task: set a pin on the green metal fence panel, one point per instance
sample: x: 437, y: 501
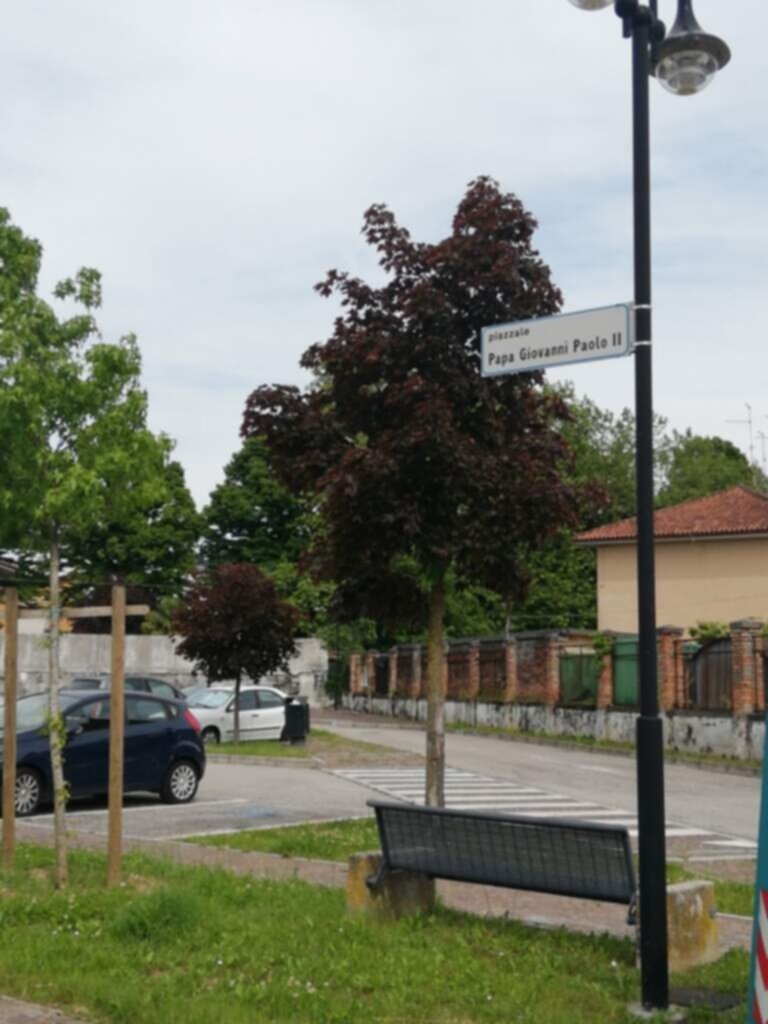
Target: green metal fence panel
x: 579, y: 673
x: 625, y: 672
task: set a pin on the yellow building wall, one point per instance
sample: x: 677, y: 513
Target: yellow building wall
x: 696, y: 581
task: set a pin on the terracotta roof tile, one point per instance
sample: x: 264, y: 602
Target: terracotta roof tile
x: 738, y: 510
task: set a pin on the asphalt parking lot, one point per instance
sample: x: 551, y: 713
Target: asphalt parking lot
x: 231, y: 797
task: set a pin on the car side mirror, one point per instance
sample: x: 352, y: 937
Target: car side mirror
x: 74, y: 727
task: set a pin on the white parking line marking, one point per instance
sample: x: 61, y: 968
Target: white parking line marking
x: 148, y: 807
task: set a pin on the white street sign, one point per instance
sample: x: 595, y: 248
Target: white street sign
x: 527, y: 345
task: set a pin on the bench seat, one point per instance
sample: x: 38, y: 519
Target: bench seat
x: 558, y: 856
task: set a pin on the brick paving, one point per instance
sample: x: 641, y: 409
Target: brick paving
x: 14, y: 1012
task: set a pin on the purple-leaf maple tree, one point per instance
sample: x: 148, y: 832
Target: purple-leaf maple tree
x: 234, y: 623
x: 421, y: 465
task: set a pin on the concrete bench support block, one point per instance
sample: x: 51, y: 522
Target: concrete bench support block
x: 400, y: 894
x: 693, y: 931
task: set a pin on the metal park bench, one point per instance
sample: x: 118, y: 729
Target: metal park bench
x: 565, y: 858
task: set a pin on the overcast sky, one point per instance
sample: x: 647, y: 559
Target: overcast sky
x: 214, y: 159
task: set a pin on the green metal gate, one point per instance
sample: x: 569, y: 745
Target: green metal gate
x: 625, y: 672
x: 579, y: 671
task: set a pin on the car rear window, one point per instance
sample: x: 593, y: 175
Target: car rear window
x: 140, y: 709
x: 161, y: 689
x: 267, y: 699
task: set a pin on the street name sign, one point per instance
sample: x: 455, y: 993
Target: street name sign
x: 526, y: 345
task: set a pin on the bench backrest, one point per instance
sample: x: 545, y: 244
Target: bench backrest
x: 567, y: 858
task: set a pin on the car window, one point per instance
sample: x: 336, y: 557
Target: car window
x: 84, y: 684
x: 160, y: 688
x: 92, y: 716
x: 136, y: 684
x: 267, y: 699
x: 31, y: 712
x: 139, y: 710
x: 212, y: 699
x: 248, y: 701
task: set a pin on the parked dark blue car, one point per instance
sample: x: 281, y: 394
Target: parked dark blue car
x: 163, y: 750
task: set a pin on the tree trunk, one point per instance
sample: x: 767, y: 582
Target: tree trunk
x: 435, y: 789
x: 56, y: 726
x: 237, y: 708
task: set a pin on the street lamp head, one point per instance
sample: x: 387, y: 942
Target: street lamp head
x: 591, y: 5
x: 689, y: 58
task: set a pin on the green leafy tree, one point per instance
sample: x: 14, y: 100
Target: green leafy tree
x: 603, y: 456
x: 562, y: 591
x: 234, y: 623
x: 146, y: 539
x: 413, y: 457
x: 697, y: 466
x: 251, y: 516
x: 74, y: 444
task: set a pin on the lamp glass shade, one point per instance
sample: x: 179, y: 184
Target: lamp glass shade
x: 686, y: 72
x: 591, y: 5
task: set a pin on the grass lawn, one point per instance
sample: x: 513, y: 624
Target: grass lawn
x: 331, y: 840
x: 179, y: 945
x: 318, y: 743
x: 598, y: 745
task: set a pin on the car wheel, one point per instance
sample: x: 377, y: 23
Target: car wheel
x: 211, y: 735
x: 29, y: 792
x: 181, y: 783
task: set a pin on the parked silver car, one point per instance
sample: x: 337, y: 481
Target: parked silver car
x: 262, y: 713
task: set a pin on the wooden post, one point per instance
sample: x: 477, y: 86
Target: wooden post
x: 9, y: 713
x: 116, y: 738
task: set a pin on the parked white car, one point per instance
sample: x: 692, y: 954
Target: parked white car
x: 262, y: 713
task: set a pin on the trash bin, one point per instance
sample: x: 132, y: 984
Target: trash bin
x: 296, y: 720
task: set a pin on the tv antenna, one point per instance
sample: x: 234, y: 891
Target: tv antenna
x: 763, y: 438
x: 748, y: 422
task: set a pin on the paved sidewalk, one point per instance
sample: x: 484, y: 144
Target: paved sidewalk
x: 13, y: 1012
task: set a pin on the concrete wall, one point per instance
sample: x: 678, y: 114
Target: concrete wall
x: 154, y: 656
x: 696, y: 581
x: 696, y: 732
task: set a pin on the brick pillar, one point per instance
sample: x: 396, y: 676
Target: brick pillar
x: 744, y: 636
x: 370, y: 673
x: 683, y: 699
x: 392, y: 688
x: 759, y: 673
x: 416, y: 673
x: 605, y: 681
x: 473, y: 686
x: 552, y: 670
x: 668, y: 644
x: 510, y: 663
x: 355, y: 673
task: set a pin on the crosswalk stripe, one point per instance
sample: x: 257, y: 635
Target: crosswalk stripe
x: 469, y: 791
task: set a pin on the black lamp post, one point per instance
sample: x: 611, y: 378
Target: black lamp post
x: 684, y: 61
